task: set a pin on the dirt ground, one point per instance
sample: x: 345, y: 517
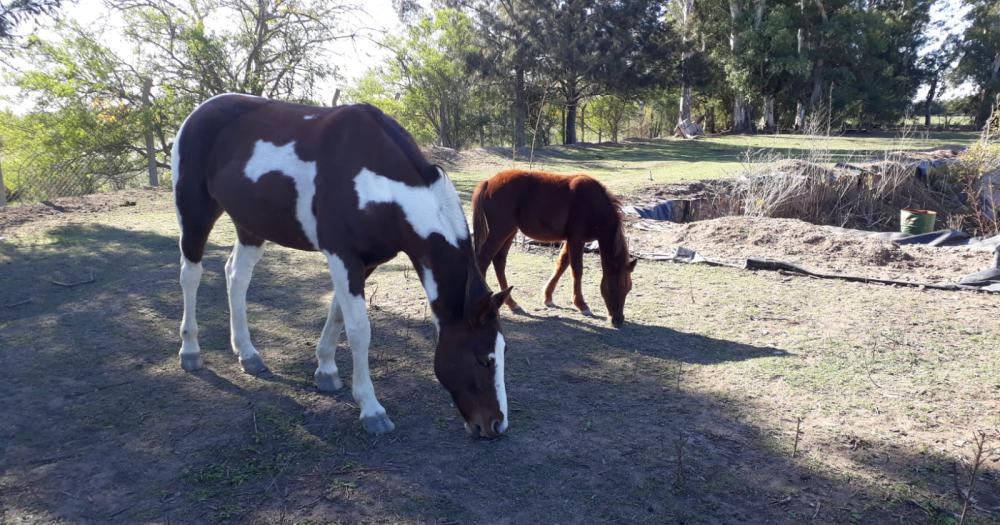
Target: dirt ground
x: 728, y: 397
x: 734, y: 239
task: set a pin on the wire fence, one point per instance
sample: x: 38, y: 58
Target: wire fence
x: 27, y: 183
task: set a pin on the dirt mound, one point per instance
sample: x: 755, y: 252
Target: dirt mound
x: 818, y: 248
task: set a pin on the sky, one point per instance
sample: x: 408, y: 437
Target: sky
x: 354, y: 57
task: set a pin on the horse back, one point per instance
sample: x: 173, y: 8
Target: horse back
x: 287, y: 172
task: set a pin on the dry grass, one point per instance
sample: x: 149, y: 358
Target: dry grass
x: 865, y: 195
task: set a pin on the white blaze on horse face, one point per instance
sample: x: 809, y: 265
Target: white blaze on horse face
x: 268, y: 157
x: 498, y: 380
x: 428, y: 209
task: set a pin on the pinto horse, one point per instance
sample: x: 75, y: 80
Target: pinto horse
x: 551, y: 207
x: 351, y: 183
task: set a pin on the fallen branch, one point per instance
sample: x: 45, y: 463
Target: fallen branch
x: 77, y: 283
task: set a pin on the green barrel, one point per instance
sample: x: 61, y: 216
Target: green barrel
x: 916, y: 221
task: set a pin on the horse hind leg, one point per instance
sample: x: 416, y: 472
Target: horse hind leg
x: 196, y: 215
x: 239, y: 270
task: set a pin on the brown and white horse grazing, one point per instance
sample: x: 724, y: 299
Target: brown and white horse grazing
x: 351, y: 183
x: 551, y: 207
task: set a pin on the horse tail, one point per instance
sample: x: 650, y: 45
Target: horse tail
x: 480, y: 227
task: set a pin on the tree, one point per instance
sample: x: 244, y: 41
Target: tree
x: 429, y: 64
x: 935, y: 65
x: 19, y: 11
x: 980, y: 54
x: 588, y: 46
x: 504, y: 55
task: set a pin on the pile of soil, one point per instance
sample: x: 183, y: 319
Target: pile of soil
x: 734, y: 239
x: 16, y: 214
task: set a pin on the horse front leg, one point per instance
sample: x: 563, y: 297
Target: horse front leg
x: 359, y: 334
x: 500, y: 267
x: 561, y: 265
x: 576, y: 263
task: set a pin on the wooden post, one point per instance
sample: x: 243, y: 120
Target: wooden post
x: 336, y: 97
x: 154, y: 179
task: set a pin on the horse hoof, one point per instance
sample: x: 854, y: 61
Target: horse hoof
x: 191, y: 362
x: 550, y: 304
x: 586, y: 312
x: 518, y: 310
x: 377, y: 424
x: 254, y: 365
x: 328, y: 383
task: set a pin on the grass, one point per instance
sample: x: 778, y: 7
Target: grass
x: 889, y: 383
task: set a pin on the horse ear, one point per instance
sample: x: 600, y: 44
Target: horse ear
x: 631, y: 264
x: 500, y: 297
x: 478, y: 299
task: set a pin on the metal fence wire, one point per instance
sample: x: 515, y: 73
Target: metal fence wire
x: 28, y: 182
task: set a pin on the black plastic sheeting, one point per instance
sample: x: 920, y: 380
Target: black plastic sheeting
x: 673, y: 210
x: 987, y: 281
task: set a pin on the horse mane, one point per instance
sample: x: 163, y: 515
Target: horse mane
x: 616, y: 205
x: 405, y: 142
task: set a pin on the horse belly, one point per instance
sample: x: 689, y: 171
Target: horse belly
x: 267, y: 208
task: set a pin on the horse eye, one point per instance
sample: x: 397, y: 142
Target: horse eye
x: 489, y: 362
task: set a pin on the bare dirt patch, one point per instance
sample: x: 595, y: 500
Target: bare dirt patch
x: 734, y: 239
x: 16, y: 214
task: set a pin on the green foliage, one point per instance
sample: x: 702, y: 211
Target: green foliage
x: 980, y: 49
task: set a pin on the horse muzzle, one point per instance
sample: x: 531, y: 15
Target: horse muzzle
x: 480, y: 429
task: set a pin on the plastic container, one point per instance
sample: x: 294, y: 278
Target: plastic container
x: 914, y: 222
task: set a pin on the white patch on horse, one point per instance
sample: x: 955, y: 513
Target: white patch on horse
x: 310, y: 117
x: 428, y: 209
x: 498, y: 380
x: 431, y: 287
x: 268, y: 157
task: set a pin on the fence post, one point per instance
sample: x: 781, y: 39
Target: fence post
x: 154, y: 179
x: 3, y: 188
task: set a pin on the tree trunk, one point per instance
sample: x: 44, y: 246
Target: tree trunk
x: 931, y: 92
x: 742, y: 122
x: 800, y: 116
x: 520, y: 109
x: 154, y: 178
x: 569, y: 137
x: 685, y: 105
x: 336, y: 97
x: 583, y: 123
x: 767, y: 119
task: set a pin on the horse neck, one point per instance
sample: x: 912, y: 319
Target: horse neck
x: 607, y: 243
x: 451, y: 269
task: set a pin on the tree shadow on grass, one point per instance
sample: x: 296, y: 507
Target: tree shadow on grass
x: 101, y: 425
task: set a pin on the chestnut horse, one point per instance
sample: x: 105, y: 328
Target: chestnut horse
x: 551, y: 207
x: 351, y: 183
